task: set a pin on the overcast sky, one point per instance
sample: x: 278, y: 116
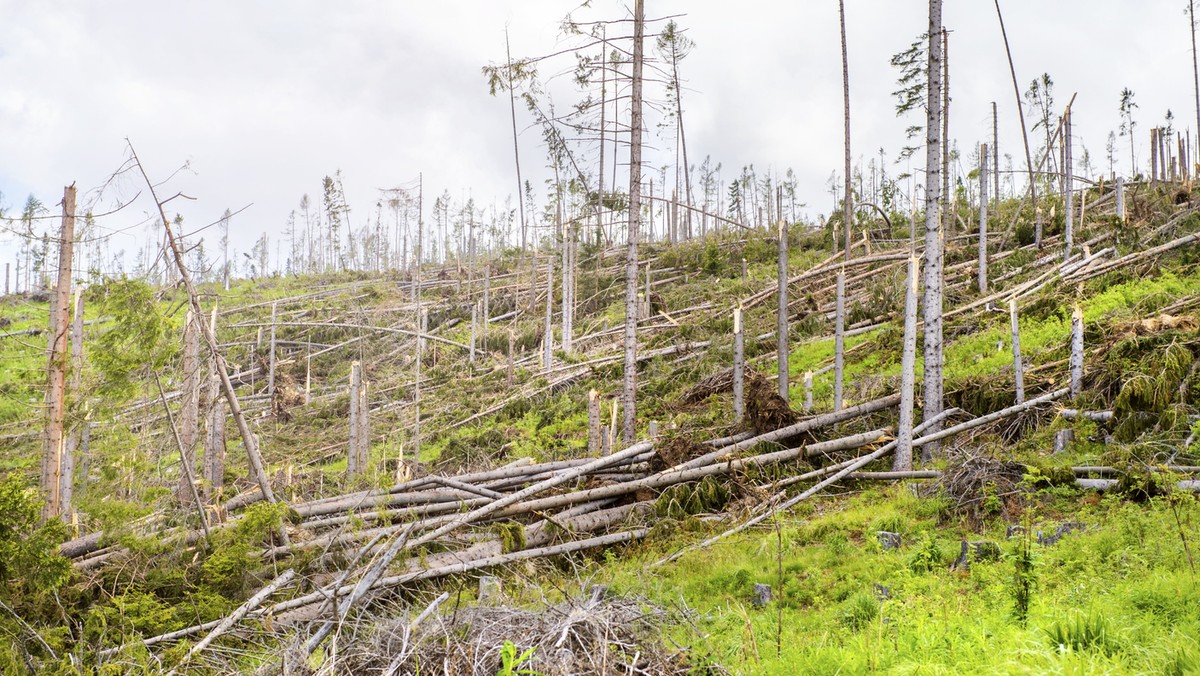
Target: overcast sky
x: 261, y: 100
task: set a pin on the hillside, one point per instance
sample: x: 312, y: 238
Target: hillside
x: 1057, y: 537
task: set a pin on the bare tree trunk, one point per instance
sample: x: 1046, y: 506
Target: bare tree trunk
x: 474, y: 322
x: 1153, y: 157
x: 635, y: 215
x: 548, y: 337
x: 1076, y: 352
x: 271, y: 356
x: 189, y: 415
x: 983, y: 216
x: 249, y: 440
x: 509, y: 370
x: 847, y: 201
x: 75, y: 439
x: 808, y: 391
x: 54, y: 439
x: 839, y: 341
x: 904, y: 446
x: 512, y: 107
x: 1018, y: 366
x: 214, y: 443
x: 1121, y: 198
x: 1195, y: 68
x: 487, y: 299
x: 1068, y: 186
x: 739, y: 367
x: 781, y: 315
x: 933, y: 241
x: 995, y: 154
x: 594, y: 443
x: 947, y: 214
x: 1024, y: 134
x: 356, y: 463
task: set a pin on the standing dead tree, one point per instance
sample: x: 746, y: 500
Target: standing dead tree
x: 629, y: 391
x: 933, y: 232
x: 54, y: 437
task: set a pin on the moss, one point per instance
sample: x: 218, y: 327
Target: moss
x: 512, y: 536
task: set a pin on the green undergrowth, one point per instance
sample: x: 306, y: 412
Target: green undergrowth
x: 1118, y: 596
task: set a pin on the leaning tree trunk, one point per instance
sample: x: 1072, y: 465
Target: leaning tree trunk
x: 635, y: 215
x: 933, y: 241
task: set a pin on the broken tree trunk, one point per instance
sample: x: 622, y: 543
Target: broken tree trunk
x: 739, y: 367
x: 1076, y: 352
x: 1018, y: 365
x: 1121, y: 199
x: 54, y: 438
x: 593, y: 422
x: 189, y: 414
x: 356, y: 461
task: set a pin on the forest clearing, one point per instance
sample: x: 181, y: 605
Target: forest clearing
x: 637, y: 419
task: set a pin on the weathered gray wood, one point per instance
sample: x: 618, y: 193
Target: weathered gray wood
x: 781, y: 317
x: 236, y: 616
x: 808, y: 391
x: 189, y: 414
x: 355, y: 464
x: 1121, y: 198
x: 983, y: 218
x: 1076, y: 352
x: 1068, y: 187
x: 271, y: 357
x: 908, y: 359
x: 1094, y: 416
x: 214, y: 438
x: 474, y: 322
x: 629, y: 386
x: 839, y: 341
x: 1018, y: 365
x: 739, y: 366
x: 932, y: 305
x: 593, y: 409
x: 816, y: 422
x: 548, y: 327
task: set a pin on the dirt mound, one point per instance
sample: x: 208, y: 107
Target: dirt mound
x: 765, y: 409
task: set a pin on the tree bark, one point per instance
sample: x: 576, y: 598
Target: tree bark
x: 54, y: 438
x: 932, y: 390
x: 1076, y: 352
x: 635, y: 214
x: 904, y: 445
x: 1018, y: 366
x: 781, y: 318
x: 847, y: 201
x: 189, y: 414
x: 983, y: 217
x: 839, y: 342
x: 739, y: 366
x: 1068, y: 187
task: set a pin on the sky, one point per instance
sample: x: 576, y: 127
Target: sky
x: 257, y: 102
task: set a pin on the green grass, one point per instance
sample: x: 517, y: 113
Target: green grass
x: 1118, y: 598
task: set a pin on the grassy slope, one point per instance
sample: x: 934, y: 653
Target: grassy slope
x: 1129, y: 566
